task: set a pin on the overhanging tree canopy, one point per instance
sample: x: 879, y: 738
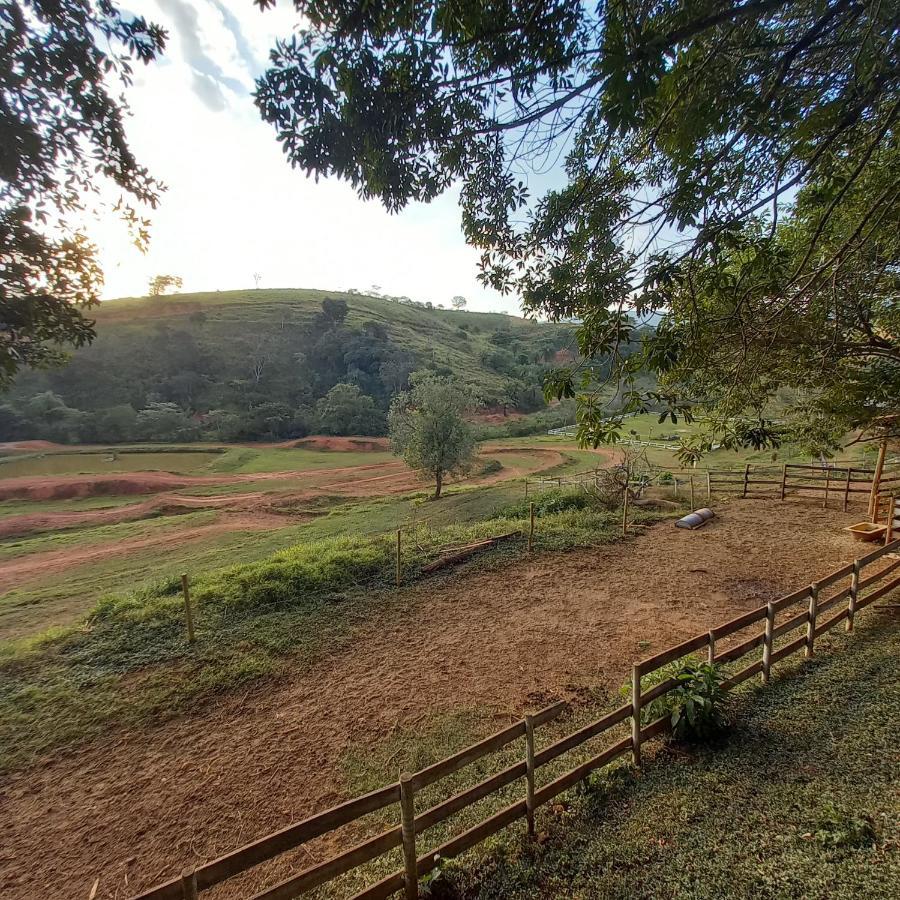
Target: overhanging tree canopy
x: 688, y: 130
x: 61, y: 136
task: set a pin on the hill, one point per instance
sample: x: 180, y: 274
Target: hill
x: 271, y: 364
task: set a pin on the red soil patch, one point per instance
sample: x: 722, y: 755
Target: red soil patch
x: 30, y: 445
x: 144, y: 805
x: 377, y: 479
x: 494, y: 415
x: 66, y: 487
x: 343, y: 444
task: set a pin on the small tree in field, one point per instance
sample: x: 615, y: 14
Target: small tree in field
x: 458, y: 302
x: 428, y: 430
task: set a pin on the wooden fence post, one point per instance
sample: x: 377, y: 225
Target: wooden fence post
x: 767, y: 643
x: 783, y: 480
x: 827, y: 486
x: 847, y: 489
x: 854, y: 594
x: 636, y: 716
x: 708, y: 486
x: 189, y: 884
x: 892, y: 511
x: 692, y: 490
x: 746, y: 478
x: 526, y: 488
x: 711, y: 658
x: 531, y: 531
x: 675, y: 486
x: 876, y: 477
x: 811, y: 625
x: 398, y: 558
x: 529, y: 774
x: 188, y: 615
x: 408, y: 834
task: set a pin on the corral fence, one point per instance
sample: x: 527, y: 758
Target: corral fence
x: 790, y: 625
x: 844, y: 484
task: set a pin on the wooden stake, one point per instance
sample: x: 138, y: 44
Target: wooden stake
x: 692, y: 490
x: 398, y: 559
x: 526, y: 488
x: 529, y: 774
x: 767, y: 643
x: 847, y: 489
x: 189, y: 885
x: 408, y: 834
x: 892, y: 511
x: 811, y: 625
x: 711, y: 658
x: 783, y: 480
x: 854, y: 594
x: 827, y: 486
x: 675, y: 486
x: 708, y: 486
x: 636, y: 716
x: 746, y: 478
x: 876, y: 477
x: 625, y: 511
x: 531, y: 529
x: 188, y: 615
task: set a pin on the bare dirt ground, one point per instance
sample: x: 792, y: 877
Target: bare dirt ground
x: 139, y: 808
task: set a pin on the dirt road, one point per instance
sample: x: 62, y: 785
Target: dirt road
x: 143, y: 805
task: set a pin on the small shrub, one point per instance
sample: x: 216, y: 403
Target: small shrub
x: 549, y: 503
x: 695, y: 705
x: 489, y: 467
x: 840, y: 830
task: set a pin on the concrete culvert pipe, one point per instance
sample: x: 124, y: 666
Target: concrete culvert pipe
x: 696, y: 519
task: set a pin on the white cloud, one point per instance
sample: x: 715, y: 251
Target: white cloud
x: 234, y: 206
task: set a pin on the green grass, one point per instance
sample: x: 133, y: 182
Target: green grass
x: 106, y: 461
x: 130, y: 662
x: 252, y: 460
x: 799, y: 800
x: 17, y: 548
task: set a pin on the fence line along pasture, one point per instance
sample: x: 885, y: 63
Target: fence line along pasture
x: 801, y: 611
x: 757, y: 481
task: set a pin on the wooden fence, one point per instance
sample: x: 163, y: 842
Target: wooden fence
x: 842, y: 483
x: 782, y: 619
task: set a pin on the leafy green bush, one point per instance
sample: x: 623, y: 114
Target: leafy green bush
x: 695, y: 705
x: 549, y: 503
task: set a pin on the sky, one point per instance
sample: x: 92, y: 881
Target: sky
x: 233, y: 205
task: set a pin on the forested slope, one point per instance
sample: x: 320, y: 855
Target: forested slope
x: 271, y: 364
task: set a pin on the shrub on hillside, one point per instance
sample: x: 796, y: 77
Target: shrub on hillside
x: 550, y: 502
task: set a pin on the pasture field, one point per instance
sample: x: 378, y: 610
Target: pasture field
x: 76, y: 525
x: 315, y: 677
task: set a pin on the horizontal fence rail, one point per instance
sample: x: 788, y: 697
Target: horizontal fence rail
x: 845, y: 484
x: 782, y: 627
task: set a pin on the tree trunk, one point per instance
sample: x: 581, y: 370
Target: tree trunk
x: 438, y: 484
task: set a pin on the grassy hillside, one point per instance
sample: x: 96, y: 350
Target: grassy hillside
x: 257, y: 364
